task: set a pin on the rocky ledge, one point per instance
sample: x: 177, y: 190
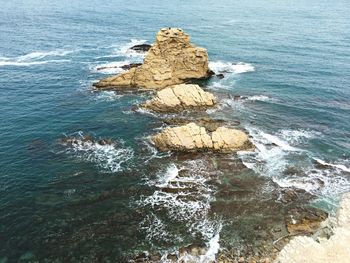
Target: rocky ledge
x: 335, y: 249
x: 191, y: 137
x: 180, y: 97
x: 171, y: 60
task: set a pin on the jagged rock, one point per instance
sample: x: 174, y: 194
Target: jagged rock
x: 141, y: 48
x: 180, y: 97
x: 171, y: 60
x: 192, y: 137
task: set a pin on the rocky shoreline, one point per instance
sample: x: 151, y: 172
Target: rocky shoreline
x: 169, y: 65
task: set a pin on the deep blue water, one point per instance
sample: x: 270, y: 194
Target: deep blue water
x: 90, y: 203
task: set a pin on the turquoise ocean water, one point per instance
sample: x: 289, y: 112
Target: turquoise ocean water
x: 87, y: 202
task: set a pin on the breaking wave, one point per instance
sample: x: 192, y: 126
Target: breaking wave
x: 125, y: 51
x: 110, y: 156
x: 182, y: 195
x: 228, y: 67
x: 107, y: 95
x: 35, y: 58
x: 298, y: 136
x: 289, y: 166
x: 110, y: 68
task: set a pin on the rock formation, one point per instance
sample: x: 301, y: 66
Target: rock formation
x: 141, y: 48
x: 180, y: 97
x: 304, y: 220
x: 208, y: 123
x: 171, y: 60
x: 336, y: 249
x: 192, y: 137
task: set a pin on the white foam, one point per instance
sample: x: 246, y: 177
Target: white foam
x: 170, y: 175
x: 269, y: 158
x: 35, y: 58
x: 181, y: 197
x: 274, y: 155
x: 228, y: 67
x: 110, y: 68
x: 107, y: 156
x: 259, y: 98
x: 296, y: 136
x: 217, y: 85
x: 107, y: 96
x: 42, y: 54
x: 124, y: 50
x: 213, y: 247
x: 279, y: 142
x: 337, y: 166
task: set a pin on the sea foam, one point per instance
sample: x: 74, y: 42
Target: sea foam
x: 182, y: 195
x: 35, y: 58
x: 110, y: 67
x: 228, y: 67
x: 109, y: 156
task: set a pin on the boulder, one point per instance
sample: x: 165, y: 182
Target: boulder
x: 180, y: 97
x: 191, y: 137
x: 171, y: 60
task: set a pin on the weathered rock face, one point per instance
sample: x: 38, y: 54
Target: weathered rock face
x: 171, y: 60
x: 192, y: 137
x: 180, y: 97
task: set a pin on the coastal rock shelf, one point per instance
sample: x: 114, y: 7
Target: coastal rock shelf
x: 180, y: 97
x: 335, y: 249
x: 191, y: 137
x: 171, y: 60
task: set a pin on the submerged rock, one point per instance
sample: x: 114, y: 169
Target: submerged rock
x: 192, y: 137
x: 180, y: 97
x: 171, y: 60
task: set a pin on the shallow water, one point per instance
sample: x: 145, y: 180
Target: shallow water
x: 289, y: 62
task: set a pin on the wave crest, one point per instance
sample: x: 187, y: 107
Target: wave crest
x: 228, y: 67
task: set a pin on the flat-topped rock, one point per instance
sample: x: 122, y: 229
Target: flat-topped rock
x: 191, y: 137
x: 180, y: 97
x: 171, y: 60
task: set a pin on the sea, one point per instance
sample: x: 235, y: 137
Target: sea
x: 80, y: 180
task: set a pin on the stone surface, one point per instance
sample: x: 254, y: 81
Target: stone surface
x: 336, y: 249
x: 180, y: 97
x: 192, y: 137
x: 171, y: 60
x: 208, y: 123
x: 304, y: 220
x: 141, y: 48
